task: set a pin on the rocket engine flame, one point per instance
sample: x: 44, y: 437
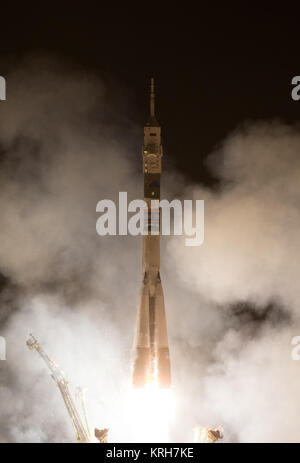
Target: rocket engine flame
x: 151, y: 411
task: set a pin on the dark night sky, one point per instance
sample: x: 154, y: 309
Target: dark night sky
x: 215, y: 66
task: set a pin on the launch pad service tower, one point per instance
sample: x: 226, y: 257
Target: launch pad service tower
x: 151, y: 362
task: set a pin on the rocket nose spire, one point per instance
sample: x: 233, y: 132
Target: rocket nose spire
x: 152, y: 99
x: 152, y: 119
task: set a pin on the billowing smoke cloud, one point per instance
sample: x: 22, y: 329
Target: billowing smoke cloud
x: 231, y: 303
x: 251, y: 230
x: 74, y: 290
x: 246, y: 275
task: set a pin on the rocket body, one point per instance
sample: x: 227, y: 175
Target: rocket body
x: 151, y: 362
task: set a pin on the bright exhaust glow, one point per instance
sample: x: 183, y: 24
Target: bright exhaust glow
x: 151, y: 412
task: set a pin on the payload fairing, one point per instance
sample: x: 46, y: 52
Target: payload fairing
x: 151, y: 363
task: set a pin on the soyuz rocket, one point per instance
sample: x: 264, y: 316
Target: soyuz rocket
x: 151, y: 358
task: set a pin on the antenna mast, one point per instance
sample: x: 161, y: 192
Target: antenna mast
x: 152, y: 99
